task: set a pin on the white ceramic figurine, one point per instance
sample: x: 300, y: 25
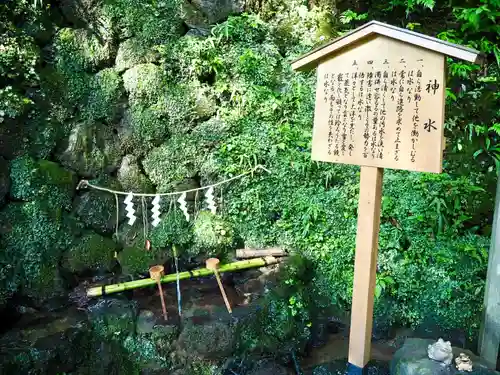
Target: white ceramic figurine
x: 440, y: 351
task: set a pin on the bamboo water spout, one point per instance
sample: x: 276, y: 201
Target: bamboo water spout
x: 103, y: 290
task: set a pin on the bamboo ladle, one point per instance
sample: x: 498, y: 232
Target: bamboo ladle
x: 156, y: 272
x: 213, y: 264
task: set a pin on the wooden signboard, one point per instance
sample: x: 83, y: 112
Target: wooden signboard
x: 379, y: 104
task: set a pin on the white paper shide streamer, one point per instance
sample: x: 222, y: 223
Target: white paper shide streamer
x: 183, y: 206
x: 156, y: 211
x: 209, y: 196
x: 129, y: 207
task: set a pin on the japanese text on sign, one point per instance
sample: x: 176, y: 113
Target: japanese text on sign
x: 379, y: 112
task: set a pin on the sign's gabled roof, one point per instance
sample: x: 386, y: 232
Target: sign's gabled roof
x: 313, y: 58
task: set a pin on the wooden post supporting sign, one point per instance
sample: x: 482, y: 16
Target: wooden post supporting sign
x: 365, y: 264
x: 380, y: 99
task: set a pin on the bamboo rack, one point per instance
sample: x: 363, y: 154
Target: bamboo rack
x: 103, y: 290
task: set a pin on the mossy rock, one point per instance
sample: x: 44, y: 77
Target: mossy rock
x: 48, y: 345
x: 91, y: 252
x: 173, y: 229
x: 175, y: 160
x: 36, y: 137
x: 131, y: 177
x: 97, y: 209
x: 212, y: 233
x: 42, y: 180
x: 141, y: 129
x: 145, y: 353
x: 34, y: 236
x: 136, y: 260
x: 42, y: 282
x: 214, y: 340
x: 133, y: 52
x: 217, y: 10
x: 104, y: 99
x: 193, y: 17
x: 144, y: 82
x: 91, y: 149
x: 152, y: 23
x: 113, y: 319
x: 205, y: 105
x: 81, y: 50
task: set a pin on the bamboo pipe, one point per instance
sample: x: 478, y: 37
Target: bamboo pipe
x: 156, y: 272
x: 213, y: 264
x: 256, y: 253
x: 99, y: 291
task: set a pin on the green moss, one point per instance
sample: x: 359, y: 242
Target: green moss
x: 91, y: 252
x: 151, y: 22
x: 105, y: 91
x: 136, y: 260
x: 131, y: 177
x: 212, y: 234
x: 144, y: 352
x: 144, y: 83
x: 174, y: 161
x: 33, y: 239
x: 42, y: 281
x: 133, y: 52
x: 79, y: 50
x: 173, y: 230
x: 147, y: 128
x: 42, y: 180
x: 96, y: 209
x: 90, y: 149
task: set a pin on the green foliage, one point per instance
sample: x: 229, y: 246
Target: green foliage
x: 202, y: 368
x: 143, y: 83
x: 212, y: 234
x: 175, y: 160
x: 435, y: 280
x: 91, y: 252
x: 151, y: 22
x: 136, y: 260
x: 96, y: 209
x: 42, y: 180
x: 105, y: 91
x: 349, y: 16
x: 173, y: 230
x: 283, y: 322
x: 19, y: 58
x: 33, y: 239
x: 78, y: 50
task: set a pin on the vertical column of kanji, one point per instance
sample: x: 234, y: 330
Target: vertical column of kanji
x: 382, y: 115
x: 417, y: 97
x: 399, y: 114
x: 331, y: 99
x: 375, y: 120
x: 338, y: 111
x: 345, y: 99
x: 352, y: 114
x: 367, y: 110
x: 431, y: 89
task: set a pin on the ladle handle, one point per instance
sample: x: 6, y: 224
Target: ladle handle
x: 163, y: 307
x: 223, y: 292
